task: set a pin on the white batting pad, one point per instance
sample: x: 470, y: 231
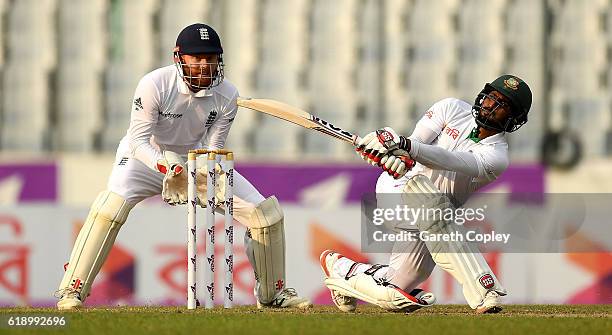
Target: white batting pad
x: 266, y: 249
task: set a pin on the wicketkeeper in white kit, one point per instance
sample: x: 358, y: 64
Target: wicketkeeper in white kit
x: 455, y: 149
x: 176, y: 108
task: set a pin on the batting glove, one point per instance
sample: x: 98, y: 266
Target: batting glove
x: 368, y: 148
x: 397, y: 166
x: 376, y: 144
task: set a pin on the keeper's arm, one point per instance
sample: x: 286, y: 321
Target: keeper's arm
x: 143, y: 117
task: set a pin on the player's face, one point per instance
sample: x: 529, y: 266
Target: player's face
x: 495, y: 108
x: 200, y: 70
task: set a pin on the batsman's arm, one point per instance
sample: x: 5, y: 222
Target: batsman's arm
x: 427, y: 129
x: 423, y: 134
x: 486, y: 165
x: 431, y: 124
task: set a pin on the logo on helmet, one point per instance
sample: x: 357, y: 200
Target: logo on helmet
x: 511, y: 83
x: 203, y: 33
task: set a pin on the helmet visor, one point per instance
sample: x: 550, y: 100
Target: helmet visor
x: 487, y: 117
x: 203, y: 74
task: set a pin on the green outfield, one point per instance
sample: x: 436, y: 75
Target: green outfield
x: 449, y: 319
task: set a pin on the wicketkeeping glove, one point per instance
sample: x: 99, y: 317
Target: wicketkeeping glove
x: 174, y: 189
x: 202, y: 184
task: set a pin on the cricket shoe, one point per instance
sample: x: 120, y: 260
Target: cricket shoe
x: 70, y: 299
x: 380, y: 293
x: 287, y: 298
x: 423, y: 297
x: 343, y: 302
x: 491, y: 304
x: 363, y: 286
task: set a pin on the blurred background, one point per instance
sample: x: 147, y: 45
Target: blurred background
x: 69, y: 68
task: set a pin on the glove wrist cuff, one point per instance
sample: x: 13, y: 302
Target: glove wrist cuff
x: 404, y: 143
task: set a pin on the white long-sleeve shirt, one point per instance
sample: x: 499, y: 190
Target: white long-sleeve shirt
x: 455, y: 163
x: 166, y: 115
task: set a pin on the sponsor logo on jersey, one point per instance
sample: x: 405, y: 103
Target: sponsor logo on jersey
x: 170, y: 115
x: 429, y: 114
x: 452, y: 132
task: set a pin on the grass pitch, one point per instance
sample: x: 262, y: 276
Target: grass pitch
x: 443, y: 319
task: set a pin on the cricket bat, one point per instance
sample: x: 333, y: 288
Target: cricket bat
x: 300, y: 117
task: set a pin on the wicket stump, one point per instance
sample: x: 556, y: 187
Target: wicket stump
x: 212, y: 203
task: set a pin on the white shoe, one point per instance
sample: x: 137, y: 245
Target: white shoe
x: 69, y: 300
x: 343, y: 302
x: 287, y: 298
x: 424, y: 298
x: 491, y: 304
x: 385, y: 295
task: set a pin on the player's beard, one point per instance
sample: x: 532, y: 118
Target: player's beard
x: 197, y: 82
x: 199, y: 78
x: 202, y: 82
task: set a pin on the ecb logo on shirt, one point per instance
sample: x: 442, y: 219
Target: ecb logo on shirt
x: 211, y: 118
x: 138, y: 104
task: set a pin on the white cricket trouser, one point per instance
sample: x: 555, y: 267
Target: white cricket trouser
x: 410, y: 263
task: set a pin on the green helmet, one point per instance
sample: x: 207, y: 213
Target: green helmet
x: 519, y: 94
